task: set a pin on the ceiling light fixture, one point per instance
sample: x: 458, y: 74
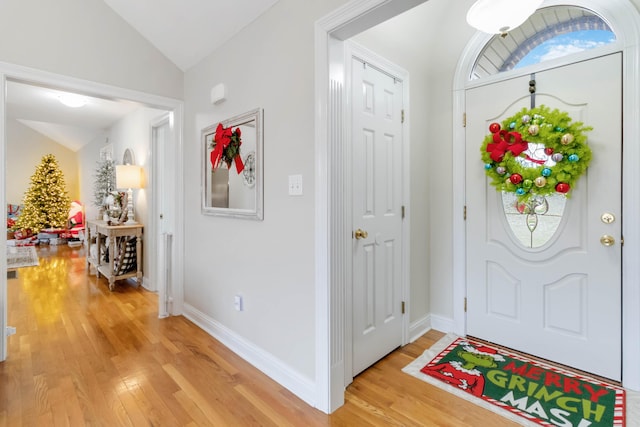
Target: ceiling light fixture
x: 72, y: 100
x: 500, y: 16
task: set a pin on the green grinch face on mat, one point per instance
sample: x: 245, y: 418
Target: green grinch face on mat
x: 473, y: 359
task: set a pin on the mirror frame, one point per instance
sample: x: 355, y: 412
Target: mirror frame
x: 128, y: 158
x: 205, y: 135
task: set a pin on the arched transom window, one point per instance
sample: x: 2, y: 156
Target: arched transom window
x: 550, y: 33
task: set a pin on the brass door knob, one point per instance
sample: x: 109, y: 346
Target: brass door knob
x: 607, y: 240
x: 360, y: 234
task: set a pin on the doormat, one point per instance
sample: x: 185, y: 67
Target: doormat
x: 524, y: 390
x: 21, y: 256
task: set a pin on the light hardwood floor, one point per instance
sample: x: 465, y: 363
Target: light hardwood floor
x: 87, y: 356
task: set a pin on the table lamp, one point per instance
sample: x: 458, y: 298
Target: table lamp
x: 129, y: 177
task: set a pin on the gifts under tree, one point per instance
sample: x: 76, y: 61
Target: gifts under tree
x: 46, y: 202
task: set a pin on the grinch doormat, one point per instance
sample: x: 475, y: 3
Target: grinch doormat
x: 532, y: 390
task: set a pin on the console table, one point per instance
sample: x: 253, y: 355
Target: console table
x: 102, y: 230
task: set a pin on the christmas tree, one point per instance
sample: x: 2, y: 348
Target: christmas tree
x: 46, y: 203
x: 105, y: 182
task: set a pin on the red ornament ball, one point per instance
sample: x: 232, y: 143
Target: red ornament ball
x: 494, y: 127
x: 548, y: 151
x: 516, y: 178
x: 563, y: 187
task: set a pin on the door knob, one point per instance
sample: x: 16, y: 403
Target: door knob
x: 360, y: 234
x: 607, y: 240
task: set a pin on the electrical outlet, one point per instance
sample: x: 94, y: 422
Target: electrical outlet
x: 237, y: 302
x: 295, y: 185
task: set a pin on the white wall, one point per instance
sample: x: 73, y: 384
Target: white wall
x: 84, y: 39
x: 271, y: 262
x: 25, y: 149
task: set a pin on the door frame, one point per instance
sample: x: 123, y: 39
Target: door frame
x: 356, y: 51
x: 158, y: 164
x: 623, y: 20
x: 332, y: 216
x: 48, y: 79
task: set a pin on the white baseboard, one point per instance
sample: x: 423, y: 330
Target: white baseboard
x: 147, y: 285
x: 428, y: 322
x: 419, y: 328
x: 442, y: 324
x: 262, y: 360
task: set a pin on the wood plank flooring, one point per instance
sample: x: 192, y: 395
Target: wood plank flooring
x: 87, y: 356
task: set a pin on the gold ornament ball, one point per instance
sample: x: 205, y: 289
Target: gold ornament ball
x: 540, y: 181
x: 567, y: 138
x: 534, y: 129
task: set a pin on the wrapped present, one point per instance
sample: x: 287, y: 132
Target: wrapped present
x: 57, y: 241
x: 23, y: 234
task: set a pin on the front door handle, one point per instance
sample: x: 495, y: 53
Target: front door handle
x: 607, y: 240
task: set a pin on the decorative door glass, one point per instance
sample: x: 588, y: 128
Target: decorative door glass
x: 535, y: 222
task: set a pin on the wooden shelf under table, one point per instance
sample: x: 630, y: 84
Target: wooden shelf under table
x: 101, y: 229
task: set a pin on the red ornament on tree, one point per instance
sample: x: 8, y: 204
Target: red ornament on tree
x: 494, y: 127
x: 516, y: 178
x: 548, y: 151
x: 563, y: 187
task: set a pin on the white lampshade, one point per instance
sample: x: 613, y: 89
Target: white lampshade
x: 128, y: 176
x: 500, y: 16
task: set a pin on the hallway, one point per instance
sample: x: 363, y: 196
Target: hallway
x: 85, y: 356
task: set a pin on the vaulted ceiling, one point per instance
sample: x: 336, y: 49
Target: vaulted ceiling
x: 185, y: 31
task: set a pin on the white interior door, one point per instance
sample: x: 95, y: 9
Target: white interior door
x: 377, y: 203
x: 561, y: 298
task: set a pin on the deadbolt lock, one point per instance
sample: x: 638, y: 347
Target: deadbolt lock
x: 607, y: 218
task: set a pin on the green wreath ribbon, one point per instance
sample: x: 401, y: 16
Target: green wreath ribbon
x: 536, y: 152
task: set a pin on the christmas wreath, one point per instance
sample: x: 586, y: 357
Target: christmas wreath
x: 226, y: 148
x: 536, y: 152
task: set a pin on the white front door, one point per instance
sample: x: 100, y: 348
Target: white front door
x: 558, y: 297
x: 377, y: 214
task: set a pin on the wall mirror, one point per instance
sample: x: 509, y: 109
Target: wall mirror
x: 225, y: 190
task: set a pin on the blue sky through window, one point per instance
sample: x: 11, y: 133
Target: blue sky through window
x: 566, y: 44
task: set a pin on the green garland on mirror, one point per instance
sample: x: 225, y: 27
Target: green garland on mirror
x: 536, y: 152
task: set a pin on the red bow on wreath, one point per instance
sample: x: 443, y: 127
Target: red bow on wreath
x: 504, y: 141
x: 227, y: 147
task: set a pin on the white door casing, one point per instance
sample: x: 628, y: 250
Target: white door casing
x: 376, y: 208
x: 561, y: 301
x: 161, y: 230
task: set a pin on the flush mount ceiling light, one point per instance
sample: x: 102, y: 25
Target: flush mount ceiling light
x: 500, y: 16
x: 72, y: 100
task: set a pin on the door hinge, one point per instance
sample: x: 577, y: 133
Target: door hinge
x: 464, y: 120
x: 403, y: 307
x: 464, y: 212
x: 465, y: 304
x: 402, y: 116
x: 9, y: 330
x: 402, y: 212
